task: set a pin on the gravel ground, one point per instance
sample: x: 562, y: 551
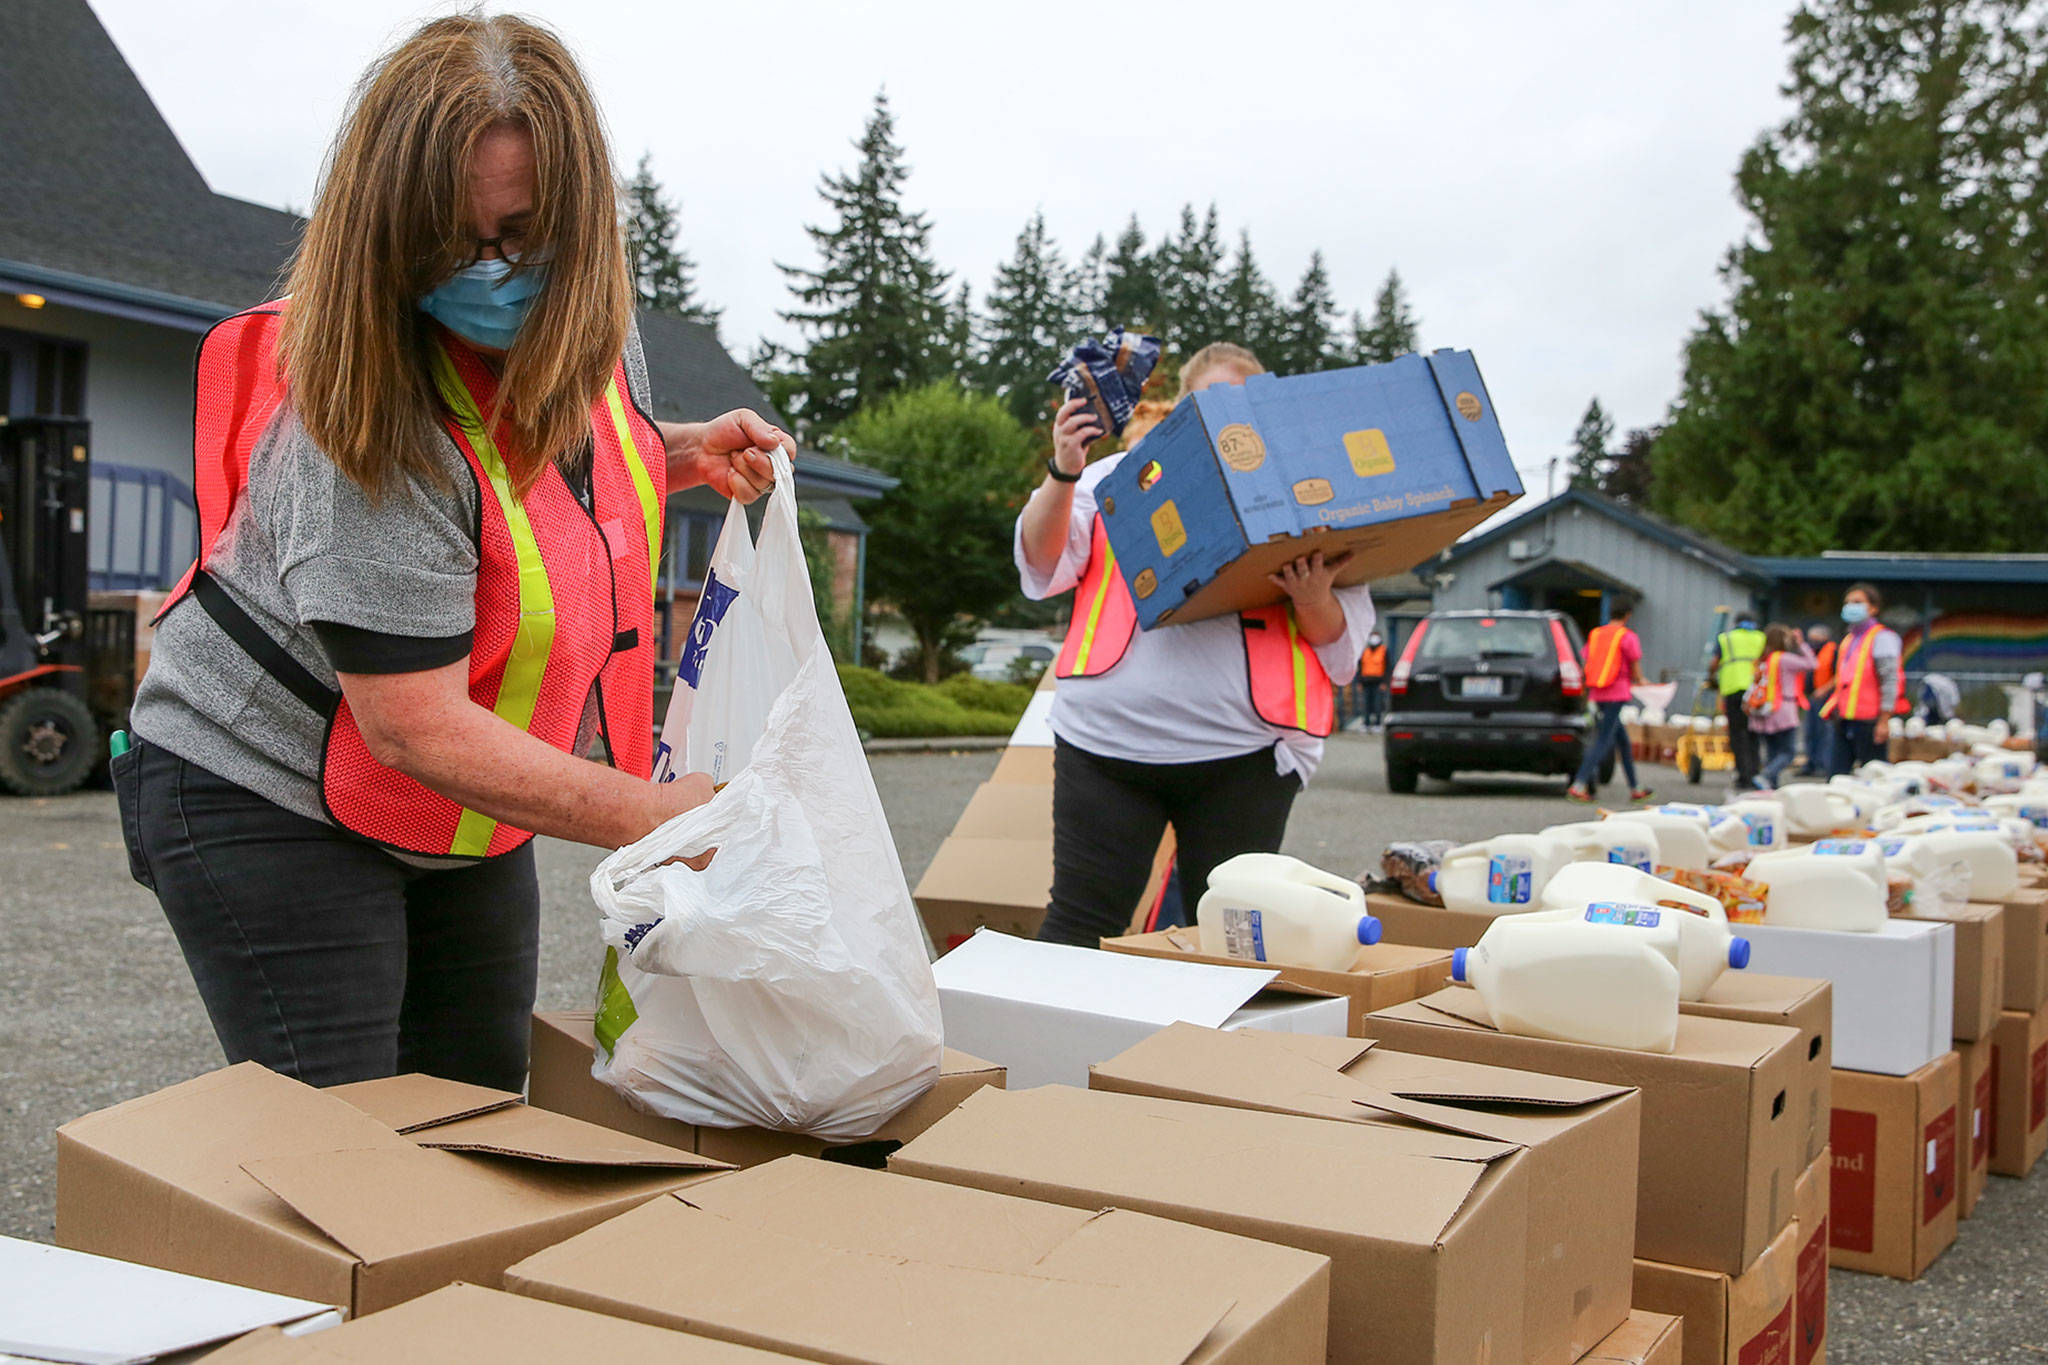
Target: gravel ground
x: 96, y: 1006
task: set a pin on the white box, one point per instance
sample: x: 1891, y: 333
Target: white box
x: 1894, y: 988
x: 1048, y: 1012
x: 70, y: 1306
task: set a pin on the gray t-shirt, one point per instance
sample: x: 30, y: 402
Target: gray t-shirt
x: 305, y: 544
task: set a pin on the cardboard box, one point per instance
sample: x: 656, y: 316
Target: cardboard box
x: 1047, y: 1012
x: 834, y: 1263
x: 1425, y: 1230
x: 1644, y: 1339
x: 1580, y: 1140
x: 1794, y: 1002
x: 2026, y: 949
x: 1742, y: 1319
x: 468, y: 1322
x: 1381, y: 975
x: 560, y: 1082
x: 1980, y: 966
x: 1006, y: 810
x: 1974, y: 1106
x: 1425, y: 926
x: 1894, y: 987
x: 2019, y: 1092
x: 1719, y: 1109
x: 1810, y: 1300
x: 363, y: 1196
x: 67, y: 1305
x: 1896, y: 1146
x: 1390, y: 463
x: 1029, y: 764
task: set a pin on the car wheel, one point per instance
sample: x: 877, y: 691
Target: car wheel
x: 47, y: 742
x: 1401, y: 776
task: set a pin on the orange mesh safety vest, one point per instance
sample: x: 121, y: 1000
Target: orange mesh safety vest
x: 1856, y: 685
x: 564, y: 594
x: 1824, y: 666
x: 1603, y: 654
x: 1769, y: 690
x: 1372, y: 665
x: 1289, y: 688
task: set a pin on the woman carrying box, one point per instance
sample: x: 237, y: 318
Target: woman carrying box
x: 1212, y: 726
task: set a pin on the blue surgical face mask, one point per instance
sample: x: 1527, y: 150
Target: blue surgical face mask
x: 1852, y: 612
x: 485, y: 303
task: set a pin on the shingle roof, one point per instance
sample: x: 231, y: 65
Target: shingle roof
x: 1644, y: 523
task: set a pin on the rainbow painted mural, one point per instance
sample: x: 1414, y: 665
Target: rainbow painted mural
x: 1979, y: 642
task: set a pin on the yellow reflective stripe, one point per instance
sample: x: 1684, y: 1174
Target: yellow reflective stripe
x: 1855, y: 689
x: 1095, y: 610
x: 1300, y: 658
x: 650, y: 504
x: 519, y: 688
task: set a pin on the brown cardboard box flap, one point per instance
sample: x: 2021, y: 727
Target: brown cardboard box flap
x: 1645, y: 1339
x: 415, y: 1101
x: 1334, y: 1053
x: 1700, y: 1038
x: 465, y: 1322
x: 672, y: 1264
x: 1246, y: 1163
x: 537, y: 1135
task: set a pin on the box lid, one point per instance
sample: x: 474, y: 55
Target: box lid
x: 1009, y: 872
x: 94, y: 1310
x: 414, y: 1101
x: 1727, y: 1042
x: 1762, y: 991
x: 1088, y: 981
x: 1160, y: 1155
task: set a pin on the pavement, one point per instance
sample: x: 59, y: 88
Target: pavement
x: 96, y: 1007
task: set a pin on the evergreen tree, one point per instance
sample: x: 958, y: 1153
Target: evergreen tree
x: 1309, y: 340
x: 1090, y: 291
x: 875, y: 310
x: 1875, y: 378
x: 1392, y: 332
x: 663, y: 275
x: 963, y: 334
x: 1251, y: 310
x: 1628, y: 473
x: 1190, y: 275
x: 1130, y: 284
x: 1589, y: 447
x: 1031, y: 322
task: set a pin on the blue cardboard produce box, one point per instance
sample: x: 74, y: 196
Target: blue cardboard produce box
x: 1390, y: 462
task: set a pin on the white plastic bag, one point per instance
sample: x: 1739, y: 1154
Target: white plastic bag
x: 786, y: 985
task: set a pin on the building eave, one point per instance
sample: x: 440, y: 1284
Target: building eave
x: 111, y: 298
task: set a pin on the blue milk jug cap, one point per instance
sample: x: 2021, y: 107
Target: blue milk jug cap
x: 1738, y: 953
x: 1458, y: 964
x: 1368, y: 929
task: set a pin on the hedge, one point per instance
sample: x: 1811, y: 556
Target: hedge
x: 961, y: 705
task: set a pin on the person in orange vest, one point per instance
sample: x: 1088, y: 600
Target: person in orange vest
x: 1870, y: 682
x: 1372, y: 678
x: 1212, y: 726
x: 1820, y: 641
x: 1614, y: 665
x: 1777, y: 700
x: 430, y: 506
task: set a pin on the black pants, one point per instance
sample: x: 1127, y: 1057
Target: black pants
x: 1855, y: 744
x: 1108, y: 816
x: 1741, y: 743
x: 1372, y: 692
x: 319, y: 954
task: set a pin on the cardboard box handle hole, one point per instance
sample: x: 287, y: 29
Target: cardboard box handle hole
x: 1778, y: 1105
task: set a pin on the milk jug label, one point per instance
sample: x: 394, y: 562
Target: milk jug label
x: 1619, y: 912
x: 1635, y: 856
x: 1244, y: 934
x: 2037, y: 816
x: 1892, y: 847
x: 1848, y: 848
x: 1761, y: 831
x: 1511, y: 879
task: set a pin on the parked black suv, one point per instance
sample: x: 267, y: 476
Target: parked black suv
x: 1488, y: 690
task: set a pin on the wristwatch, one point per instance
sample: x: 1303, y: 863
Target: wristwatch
x: 1059, y: 475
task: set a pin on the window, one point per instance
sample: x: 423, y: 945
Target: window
x: 1485, y: 637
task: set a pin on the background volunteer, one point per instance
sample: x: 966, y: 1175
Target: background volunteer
x: 1372, y: 680
x: 359, y: 554
x: 1733, y: 668
x: 1870, y: 683
x: 1777, y: 700
x: 1614, y: 666
x: 1818, y: 732
x: 1170, y: 733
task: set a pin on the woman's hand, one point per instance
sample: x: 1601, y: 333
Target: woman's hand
x: 1309, y: 583
x: 728, y: 454
x: 1075, y: 427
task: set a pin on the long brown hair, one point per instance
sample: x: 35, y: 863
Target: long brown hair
x: 393, y: 219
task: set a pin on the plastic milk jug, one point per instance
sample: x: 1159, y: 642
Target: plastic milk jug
x: 2004, y: 771
x: 1502, y: 876
x: 1706, y: 947
x: 1812, y: 892
x: 1681, y: 839
x: 1755, y: 823
x: 1267, y: 907
x: 1915, y: 727
x: 1603, y: 975
x: 1811, y: 809
x: 2030, y: 806
x: 1625, y: 841
x: 1992, y: 865
x: 1865, y: 855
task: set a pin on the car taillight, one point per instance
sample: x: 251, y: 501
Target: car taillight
x: 1569, y: 675
x: 1398, y: 683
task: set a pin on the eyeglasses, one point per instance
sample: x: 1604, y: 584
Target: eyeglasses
x: 507, y: 247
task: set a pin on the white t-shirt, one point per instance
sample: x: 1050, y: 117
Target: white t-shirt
x: 1180, y: 693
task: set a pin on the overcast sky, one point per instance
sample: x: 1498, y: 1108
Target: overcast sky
x: 1553, y: 181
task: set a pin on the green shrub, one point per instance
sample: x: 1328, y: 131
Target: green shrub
x: 962, y: 705
x: 976, y: 694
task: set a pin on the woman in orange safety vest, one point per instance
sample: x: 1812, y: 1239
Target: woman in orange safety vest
x: 1777, y: 700
x: 1614, y: 668
x: 1870, y: 682
x: 430, y: 513
x: 1211, y: 726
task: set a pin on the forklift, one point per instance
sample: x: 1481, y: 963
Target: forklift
x: 67, y: 672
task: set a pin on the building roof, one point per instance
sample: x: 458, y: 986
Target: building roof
x: 1646, y: 524
x: 101, y: 208
x: 1846, y: 566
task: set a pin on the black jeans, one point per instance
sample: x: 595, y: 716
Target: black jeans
x: 322, y: 956
x: 1854, y: 744
x: 1612, y: 733
x: 1741, y: 743
x: 1108, y: 816
x: 1373, y: 693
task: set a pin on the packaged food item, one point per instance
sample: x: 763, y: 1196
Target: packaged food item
x: 1743, y: 900
x: 1110, y: 374
x: 1407, y: 867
